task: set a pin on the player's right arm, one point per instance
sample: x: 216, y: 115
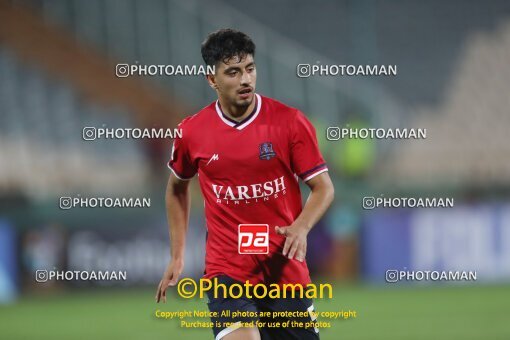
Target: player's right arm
x: 177, y: 208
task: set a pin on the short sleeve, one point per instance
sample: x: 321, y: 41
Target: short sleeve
x: 306, y: 158
x: 180, y: 158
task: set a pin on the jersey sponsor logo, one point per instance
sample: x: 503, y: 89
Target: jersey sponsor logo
x: 253, y: 239
x: 266, y: 151
x: 214, y: 157
x: 255, y: 193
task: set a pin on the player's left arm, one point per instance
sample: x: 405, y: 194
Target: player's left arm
x: 320, y: 198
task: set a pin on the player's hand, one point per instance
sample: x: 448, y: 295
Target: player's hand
x: 170, y: 278
x: 295, y: 242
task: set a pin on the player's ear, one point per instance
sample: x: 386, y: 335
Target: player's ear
x: 212, y: 81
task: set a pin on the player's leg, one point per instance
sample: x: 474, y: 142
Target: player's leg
x: 307, y: 329
x: 229, y: 323
x: 242, y: 334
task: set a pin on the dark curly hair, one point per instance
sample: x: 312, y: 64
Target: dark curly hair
x: 224, y: 44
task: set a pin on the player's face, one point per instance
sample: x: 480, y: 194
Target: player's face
x: 235, y: 80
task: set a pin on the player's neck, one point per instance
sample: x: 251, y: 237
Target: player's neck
x: 237, y: 113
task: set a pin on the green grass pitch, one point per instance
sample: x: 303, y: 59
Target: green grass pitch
x: 394, y: 312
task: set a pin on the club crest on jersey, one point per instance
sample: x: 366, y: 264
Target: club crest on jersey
x: 266, y: 151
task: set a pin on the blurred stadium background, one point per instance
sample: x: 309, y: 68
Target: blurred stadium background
x: 57, y: 75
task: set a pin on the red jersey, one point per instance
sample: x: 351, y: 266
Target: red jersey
x: 248, y: 173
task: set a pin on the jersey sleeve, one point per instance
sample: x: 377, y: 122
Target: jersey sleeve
x: 180, y: 161
x: 306, y: 158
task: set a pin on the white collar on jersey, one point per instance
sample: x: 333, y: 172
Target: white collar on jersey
x: 244, y: 123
